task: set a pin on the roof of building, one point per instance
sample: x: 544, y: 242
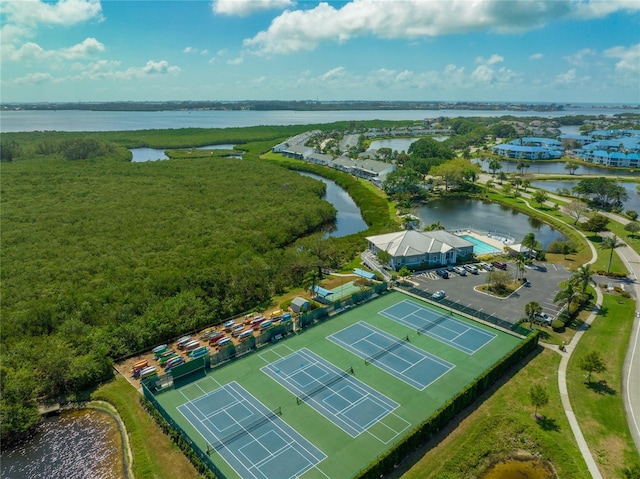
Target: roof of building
x: 412, y: 242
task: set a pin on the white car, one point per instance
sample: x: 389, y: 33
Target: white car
x: 460, y: 270
x: 544, y: 318
x: 438, y: 294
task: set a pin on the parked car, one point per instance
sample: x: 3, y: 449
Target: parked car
x: 486, y: 266
x: 443, y: 273
x: 460, y: 270
x: 544, y: 318
x: 438, y: 294
x: 471, y: 268
x: 499, y: 265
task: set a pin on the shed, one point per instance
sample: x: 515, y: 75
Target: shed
x: 299, y: 305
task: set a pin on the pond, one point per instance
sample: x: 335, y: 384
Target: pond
x: 484, y: 216
x: 520, y: 469
x: 154, y: 154
x: 75, y: 445
x: 633, y: 203
x: 349, y: 219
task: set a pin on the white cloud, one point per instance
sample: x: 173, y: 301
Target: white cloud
x: 244, y: 8
x: 579, y: 59
x: 31, y: 51
x: 63, y: 12
x: 629, y: 58
x: 300, y: 30
x: 159, y: 68
x: 33, y: 79
x: 566, y: 78
x: 536, y: 56
x: 236, y: 61
x: 188, y: 50
x: 491, y: 61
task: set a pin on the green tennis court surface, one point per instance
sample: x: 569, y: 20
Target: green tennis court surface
x: 327, y: 402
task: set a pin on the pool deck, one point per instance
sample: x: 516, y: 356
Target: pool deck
x: 499, y: 245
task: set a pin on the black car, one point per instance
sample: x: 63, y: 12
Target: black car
x: 443, y: 273
x: 499, y: 265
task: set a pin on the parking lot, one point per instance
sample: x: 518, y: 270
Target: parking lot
x: 544, y: 281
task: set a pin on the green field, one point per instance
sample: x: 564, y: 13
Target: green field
x: 346, y: 455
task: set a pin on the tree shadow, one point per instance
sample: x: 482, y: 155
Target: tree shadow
x: 601, y: 387
x: 543, y: 335
x: 548, y: 424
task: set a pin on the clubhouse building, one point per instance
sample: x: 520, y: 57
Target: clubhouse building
x: 419, y: 249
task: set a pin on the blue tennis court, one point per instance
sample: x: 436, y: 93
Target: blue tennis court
x: 253, y: 440
x: 337, y: 395
x: 446, y: 329
x: 395, y: 356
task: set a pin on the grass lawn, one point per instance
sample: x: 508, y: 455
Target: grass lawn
x: 154, y: 455
x: 503, y: 424
x: 598, y: 406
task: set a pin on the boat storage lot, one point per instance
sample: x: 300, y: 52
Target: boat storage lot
x: 460, y: 289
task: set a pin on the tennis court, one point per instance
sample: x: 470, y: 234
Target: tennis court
x: 397, y: 356
x: 252, y: 439
x: 310, y: 407
x: 461, y: 335
x: 336, y: 394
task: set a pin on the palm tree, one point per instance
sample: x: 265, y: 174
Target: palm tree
x: 582, y: 277
x: 520, y: 262
x: 434, y: 227
x: 531, y: 309
x: 610, y: 243
x: 566, y: 295
x: 529, y: 241
x: 495, y: 165
x: 311, y: 280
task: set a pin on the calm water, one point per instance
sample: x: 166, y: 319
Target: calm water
x: 348, y: 220
x: 81, y: 120
x: 633, y: 203
x: 153, y: 154
x: 77, y: 445
x: 478, y: 215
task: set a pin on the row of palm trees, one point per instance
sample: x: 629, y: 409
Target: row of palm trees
x: 575, y: 290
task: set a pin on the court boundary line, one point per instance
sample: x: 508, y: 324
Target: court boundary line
x: 240, y: 398
x: 389, y: 404
x: 397, y: 433
x: 469, y: 327
x: 405, y: 379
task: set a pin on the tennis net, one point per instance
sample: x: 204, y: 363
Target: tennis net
x: 244, y: 430
x: 395, y: 345
x: 432, y: 325
x: 321, y: 386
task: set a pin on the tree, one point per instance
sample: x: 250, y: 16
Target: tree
x: 539, y: 397
x: 531, y: 309
x: 530, y: 242
x: 596, y: 223
x: 610, y: 243
x: 311, y: 280
x: 456, y: 171
x: 576, y: 209
x: 582, y: 277
x: 571, y: 168
x: 404, y: 272
x: 540, y: 196
x: 403, y: 180
x: 591, y: 363
x: 565, y: 295
x: 502, y: 176
x: 494, y: 165
x: 632, y: 214
x: 632, y: 227
x: 384, y: 257
x: 520, y: 263
x: 434, y: 227
x: 602, y: 192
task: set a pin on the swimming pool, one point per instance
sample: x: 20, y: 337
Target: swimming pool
x: 480, y: 247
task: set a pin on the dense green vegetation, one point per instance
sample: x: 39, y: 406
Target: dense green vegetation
x: 102, y: 257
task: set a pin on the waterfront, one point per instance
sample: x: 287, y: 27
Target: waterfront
x: 460, y: 214
x: 77, y: 445
x: 87, y: 120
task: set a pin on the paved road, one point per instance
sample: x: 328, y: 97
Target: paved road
x: 631, y: 367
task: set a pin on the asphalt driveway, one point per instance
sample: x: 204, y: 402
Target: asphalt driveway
x: 543, y: 280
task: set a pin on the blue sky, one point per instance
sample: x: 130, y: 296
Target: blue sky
x: 423, y: 50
